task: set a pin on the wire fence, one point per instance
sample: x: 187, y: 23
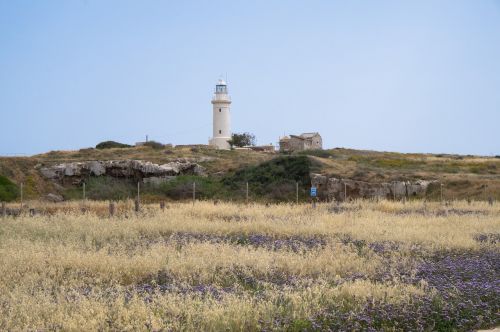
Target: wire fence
x: 284, y: 192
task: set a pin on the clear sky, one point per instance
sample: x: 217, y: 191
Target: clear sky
x: 409, y: 76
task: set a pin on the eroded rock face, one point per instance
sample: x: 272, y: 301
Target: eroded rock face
x: 122, y: 169
x: 335, y: 188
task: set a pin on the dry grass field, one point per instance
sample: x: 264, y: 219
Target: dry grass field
x: 357, y: 266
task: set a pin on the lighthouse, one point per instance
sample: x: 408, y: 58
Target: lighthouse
x: 221, y: 117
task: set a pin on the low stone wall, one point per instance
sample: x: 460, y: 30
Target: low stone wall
x: 336, y: 188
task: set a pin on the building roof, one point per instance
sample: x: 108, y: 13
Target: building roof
x: 302, y: 136
x: 309, y: 135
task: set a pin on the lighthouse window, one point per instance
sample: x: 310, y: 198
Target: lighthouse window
x: 220, y: 131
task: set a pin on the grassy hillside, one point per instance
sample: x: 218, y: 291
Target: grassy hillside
x: 269, y: 175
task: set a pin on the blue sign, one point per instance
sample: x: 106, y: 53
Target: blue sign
x: 313, y: 191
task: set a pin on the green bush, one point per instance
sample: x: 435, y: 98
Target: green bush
x: 111, y: 145
x: 8, y: 190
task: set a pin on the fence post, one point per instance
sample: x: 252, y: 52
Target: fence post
x: 21, y: 196
x: 194, y: 192
x: 490, y: 201
x: 246, y: 198
x: 441, y: 193
x: 138, y: 199
x: 297, y: 193
x: 345, y: 192
x: 4, y: 210
x: 162, y: 205
x: 84, y: 192
x: 111, y: 209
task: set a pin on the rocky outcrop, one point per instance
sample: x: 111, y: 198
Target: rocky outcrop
x: 121, y: 169
x: 335, y: 188
x: 55, y: 198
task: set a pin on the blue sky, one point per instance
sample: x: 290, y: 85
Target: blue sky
x: 408, y: 76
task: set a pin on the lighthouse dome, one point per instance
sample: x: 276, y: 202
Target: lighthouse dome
x: 221, y: 82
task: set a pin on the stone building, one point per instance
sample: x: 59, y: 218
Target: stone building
x: 305, y: 141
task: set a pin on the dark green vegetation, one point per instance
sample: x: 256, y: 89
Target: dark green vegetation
x: 111, y: 145
x: 273, y: 180
x: 241, y: 140
x: 8, y: 190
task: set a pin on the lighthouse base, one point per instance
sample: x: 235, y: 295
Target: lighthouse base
x: 220, y: 143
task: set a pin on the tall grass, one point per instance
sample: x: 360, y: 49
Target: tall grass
x: 222, y: 267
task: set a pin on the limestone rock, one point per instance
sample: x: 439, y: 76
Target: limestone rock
x: 121, y: 168
x: 157, y: 181
x: 54, y: 198
x: 335, y: 188
x: 96, y: 168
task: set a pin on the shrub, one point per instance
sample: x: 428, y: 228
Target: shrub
x: 274, y: 179
x: 111, y: 145
x: 8, y: 190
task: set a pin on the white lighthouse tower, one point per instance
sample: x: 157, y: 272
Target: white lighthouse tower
x: 222, y: 117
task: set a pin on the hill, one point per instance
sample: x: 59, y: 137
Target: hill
x: 270, y: 176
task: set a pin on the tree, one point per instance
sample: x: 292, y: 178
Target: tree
x: 243, y: 139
